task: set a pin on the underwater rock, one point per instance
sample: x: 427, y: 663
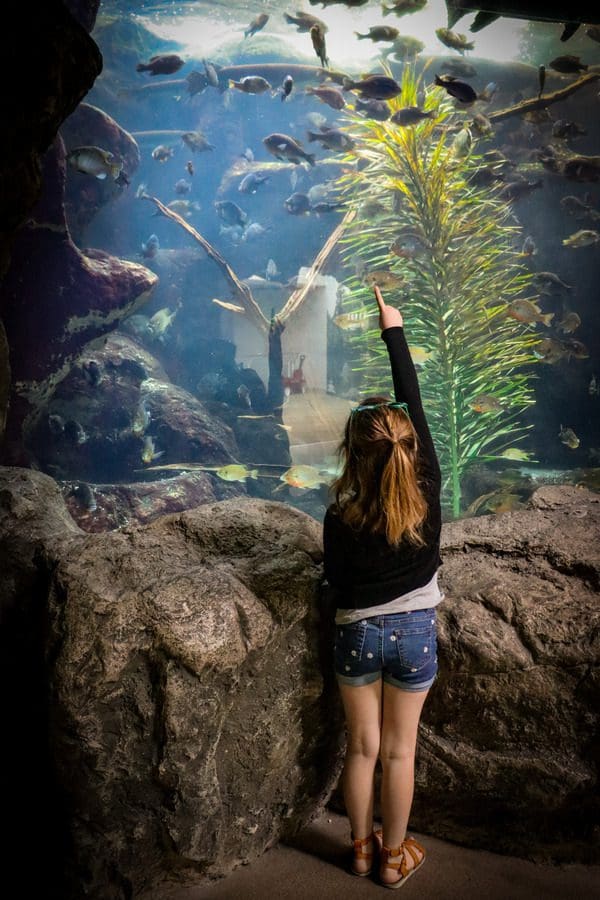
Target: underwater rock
x: 86, y: 295
x: 106, y: 507
x: 507, y: 754
x: 86, y: 194
x: 191, y: 726
x: 116, y: 413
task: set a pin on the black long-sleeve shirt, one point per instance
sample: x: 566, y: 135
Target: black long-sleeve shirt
x: 362, y: 567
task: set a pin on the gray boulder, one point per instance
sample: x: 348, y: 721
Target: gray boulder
x: 191, y: 725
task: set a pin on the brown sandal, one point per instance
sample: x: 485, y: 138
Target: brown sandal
x: 359, y: 853
x: 410, y: 846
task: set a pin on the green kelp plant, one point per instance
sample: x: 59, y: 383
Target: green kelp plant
x: 443, y: 250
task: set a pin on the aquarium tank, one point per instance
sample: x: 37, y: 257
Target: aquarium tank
x: 227, y: 196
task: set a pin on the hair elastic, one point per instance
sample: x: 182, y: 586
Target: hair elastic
x: 392, y: 404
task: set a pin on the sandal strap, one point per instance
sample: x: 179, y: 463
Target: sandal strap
x: 414, y: 848
x: 388, y: 852
x: 357, y: 846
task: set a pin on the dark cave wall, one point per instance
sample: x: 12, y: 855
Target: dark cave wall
x: 53, y: 43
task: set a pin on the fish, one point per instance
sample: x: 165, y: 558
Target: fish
x: 141, y: 419
x: 251, y: 182
x: 410, y: 115
x: 351, y: 320
x: 74, y: 432
x: 528, y: 311
x: 455, y: 41
x: 383, y: 278
x: 235, y: 472
x: 304, y: 22
x: 481, y: 124
x: 593, y: 32
x: 257, y: 24
x: 374, y: 87
x: 163, y: 64
x: 462, y: 143
x: 564, y: 129
x: 458, y: 89
x: 593, y: 387
x: 332, y: 138
x: 576, y: 349
x: 327, y: 206
x: 211, y: 74
x: 459, y: 67
x: 569, y: 323
x: 84, y: 495
x: 546, y: 282
x: 183, y: 208
x: 251, y: 84
x: 514, y: 190
x: 248, y: 155
x: 550, y: 351
x: 488, y: 93
x: 585, y: 237
x: 419, y: 355
x: 232, y: 307
x: 317, y: 36
x: 91, y: 160
x: 149, y: 452
x: 162, y: 153
x: 284, y: 147
x: 541, y: 78
x: 302, y: 476
x: 230, y: 213
x: 486, y: 403
x: 404, y: 48
x: 568, y: 438
x: 182, y: 186
x: 403, y: 7
x: 297, y: 204
x: 573, y: 205
x: 516, y: 454
x: 161, y: 321
x: 271, y: 270
x: 150, y: 247
x: 243, y: 393
x: 189, y: 167
x: 568, y: 64
x: 529, y: 247
x: 254, y: 229
x: 332, y: 96
x: 378, y: 33
x: 373, y: 109
x: 407, y: 246
x: 92, y: 372
x: 286, y: 87
x: 196, y: 141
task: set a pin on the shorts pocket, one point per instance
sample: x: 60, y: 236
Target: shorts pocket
x: 349, y: 645
x: 416, y: 646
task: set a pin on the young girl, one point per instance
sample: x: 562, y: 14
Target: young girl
x: 381, y: 541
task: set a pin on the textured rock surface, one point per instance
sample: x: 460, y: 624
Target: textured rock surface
x: 86, y: 295
x: 190, y: 722
x: 508, y: 748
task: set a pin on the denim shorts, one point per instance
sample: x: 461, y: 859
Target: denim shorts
x: 401, y: 648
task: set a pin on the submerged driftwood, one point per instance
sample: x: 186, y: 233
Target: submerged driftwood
x: 544, y: 100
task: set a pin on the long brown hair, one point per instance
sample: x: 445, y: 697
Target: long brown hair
x: 378, y: 489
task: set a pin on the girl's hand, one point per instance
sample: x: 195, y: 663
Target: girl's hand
x: 389, y: 317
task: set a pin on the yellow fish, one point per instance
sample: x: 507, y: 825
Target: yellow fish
x: 583, y: 238
x: 384, y: 279
x: 235, y: 472
x: 233, y: 307
x: 346, y: 321
x: 419, y: 355
x: 149, y: 453
x: 515, y: 453
x: 303, y: 477
x: 569, y: 438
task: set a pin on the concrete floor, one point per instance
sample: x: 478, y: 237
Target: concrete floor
x: 315, y: 868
